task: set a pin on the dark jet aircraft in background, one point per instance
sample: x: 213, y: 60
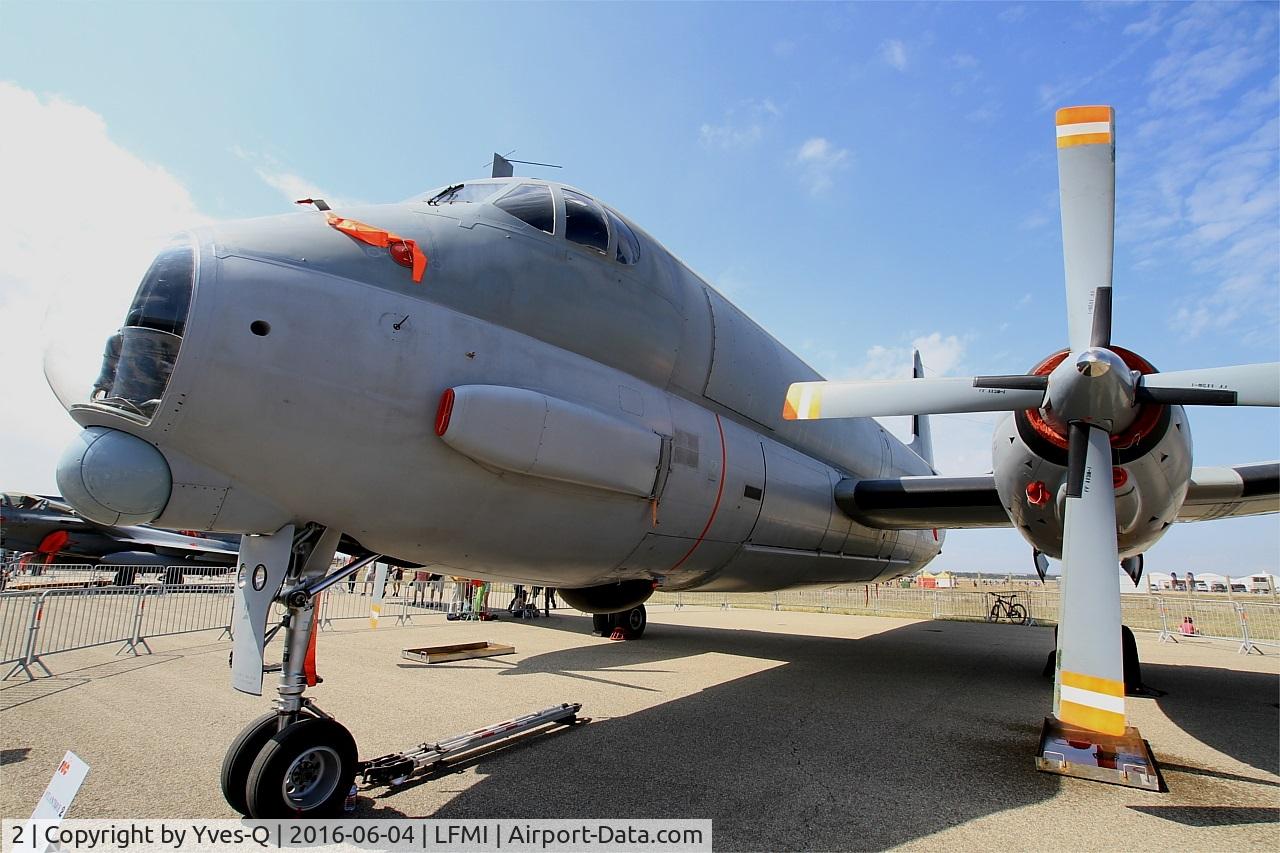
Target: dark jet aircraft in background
x: 45, y: 529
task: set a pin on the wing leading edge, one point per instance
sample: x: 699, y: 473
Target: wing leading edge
x: 921, y: 503
x: 1228, y: 492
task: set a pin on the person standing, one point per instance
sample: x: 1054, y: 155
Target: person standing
x: 461, y: 589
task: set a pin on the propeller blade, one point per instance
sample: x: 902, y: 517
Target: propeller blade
x: 1087, y: 187
x: 1242, y: 385
x: 815, y: 400
x: 1089, y: 680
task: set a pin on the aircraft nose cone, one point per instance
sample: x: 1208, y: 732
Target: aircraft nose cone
x: 1093, y: 363
x: 112, y: 477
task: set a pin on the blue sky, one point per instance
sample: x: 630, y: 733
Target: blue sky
x: 859, y: 178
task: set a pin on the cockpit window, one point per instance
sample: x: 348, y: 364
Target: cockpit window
x: 463, y: 193
x: 584, y: 223
x: 531, y: 204
x: 628, y: 251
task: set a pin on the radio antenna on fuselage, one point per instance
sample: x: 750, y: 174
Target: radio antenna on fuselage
x: 503, y: 168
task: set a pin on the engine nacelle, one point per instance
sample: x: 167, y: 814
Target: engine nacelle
x: 608, y: 598
x: 1151, y: 468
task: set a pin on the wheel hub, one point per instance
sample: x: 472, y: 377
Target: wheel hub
x: 311, y: 778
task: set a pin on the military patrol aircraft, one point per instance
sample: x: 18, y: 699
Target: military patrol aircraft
x: 513, y: 380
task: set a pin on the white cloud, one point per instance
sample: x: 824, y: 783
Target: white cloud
x: 939, y: 354
x: 81, y: 217
x: 742, y: 127
x: 1013, y: 14
x: 1053, y: 95
x: 962, y: 443
x: 963, y: 61
x: 819, y: 162
x: 291, y: 186
x: 1208, y: 201
x: 894, y: 52
x: 983, y: 114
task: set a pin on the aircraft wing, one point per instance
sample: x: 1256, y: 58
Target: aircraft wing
x: 1229, y: 491
x: 921, y: 503
x: 165, y: 541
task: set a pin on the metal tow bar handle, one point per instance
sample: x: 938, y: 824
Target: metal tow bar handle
x: 398, y: 767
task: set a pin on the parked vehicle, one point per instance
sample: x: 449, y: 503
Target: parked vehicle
x: 1218, y: 587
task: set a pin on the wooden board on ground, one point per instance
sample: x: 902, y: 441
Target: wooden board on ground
x: 456, y: 651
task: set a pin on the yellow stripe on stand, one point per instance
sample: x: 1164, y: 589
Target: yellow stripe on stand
x: 1093, y: 719
x: 1091, y: 682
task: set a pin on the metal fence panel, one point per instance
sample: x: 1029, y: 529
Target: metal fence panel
x: 79, y: 618
x: 72, y: 612
x: 17, y: 609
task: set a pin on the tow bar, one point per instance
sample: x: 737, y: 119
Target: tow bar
x: 398, y: 768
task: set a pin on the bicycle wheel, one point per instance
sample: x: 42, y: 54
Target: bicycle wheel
x: 994, y: 615
x: 1018, y: 614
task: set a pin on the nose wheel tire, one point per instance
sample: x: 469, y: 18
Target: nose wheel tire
x: 240, y: 756
x: 304, y: 770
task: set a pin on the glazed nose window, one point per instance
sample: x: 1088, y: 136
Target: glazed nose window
x: 136, y: 358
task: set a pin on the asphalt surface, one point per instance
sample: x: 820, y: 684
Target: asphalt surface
x: 791, y: 731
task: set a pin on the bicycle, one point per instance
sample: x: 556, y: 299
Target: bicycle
x: 1006, y: 606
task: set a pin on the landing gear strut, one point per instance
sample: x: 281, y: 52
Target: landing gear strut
x: 297, y: 761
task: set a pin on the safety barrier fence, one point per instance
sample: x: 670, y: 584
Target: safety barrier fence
x: 1250, y: 623
x: 40, y: 622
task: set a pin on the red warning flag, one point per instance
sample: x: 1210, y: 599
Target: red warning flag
x: 403, y: 250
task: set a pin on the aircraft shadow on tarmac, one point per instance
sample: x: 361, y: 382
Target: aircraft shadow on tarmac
x: 862, y: 743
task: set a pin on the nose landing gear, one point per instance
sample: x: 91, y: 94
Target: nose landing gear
x: 296, y: 761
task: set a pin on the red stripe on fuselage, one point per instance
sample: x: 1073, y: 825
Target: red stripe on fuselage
x: 714, y: 507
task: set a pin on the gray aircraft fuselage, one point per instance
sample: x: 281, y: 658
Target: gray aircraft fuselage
x: 308, y: 384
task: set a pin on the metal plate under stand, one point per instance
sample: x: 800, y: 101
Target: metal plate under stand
x: 1116, y: 759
